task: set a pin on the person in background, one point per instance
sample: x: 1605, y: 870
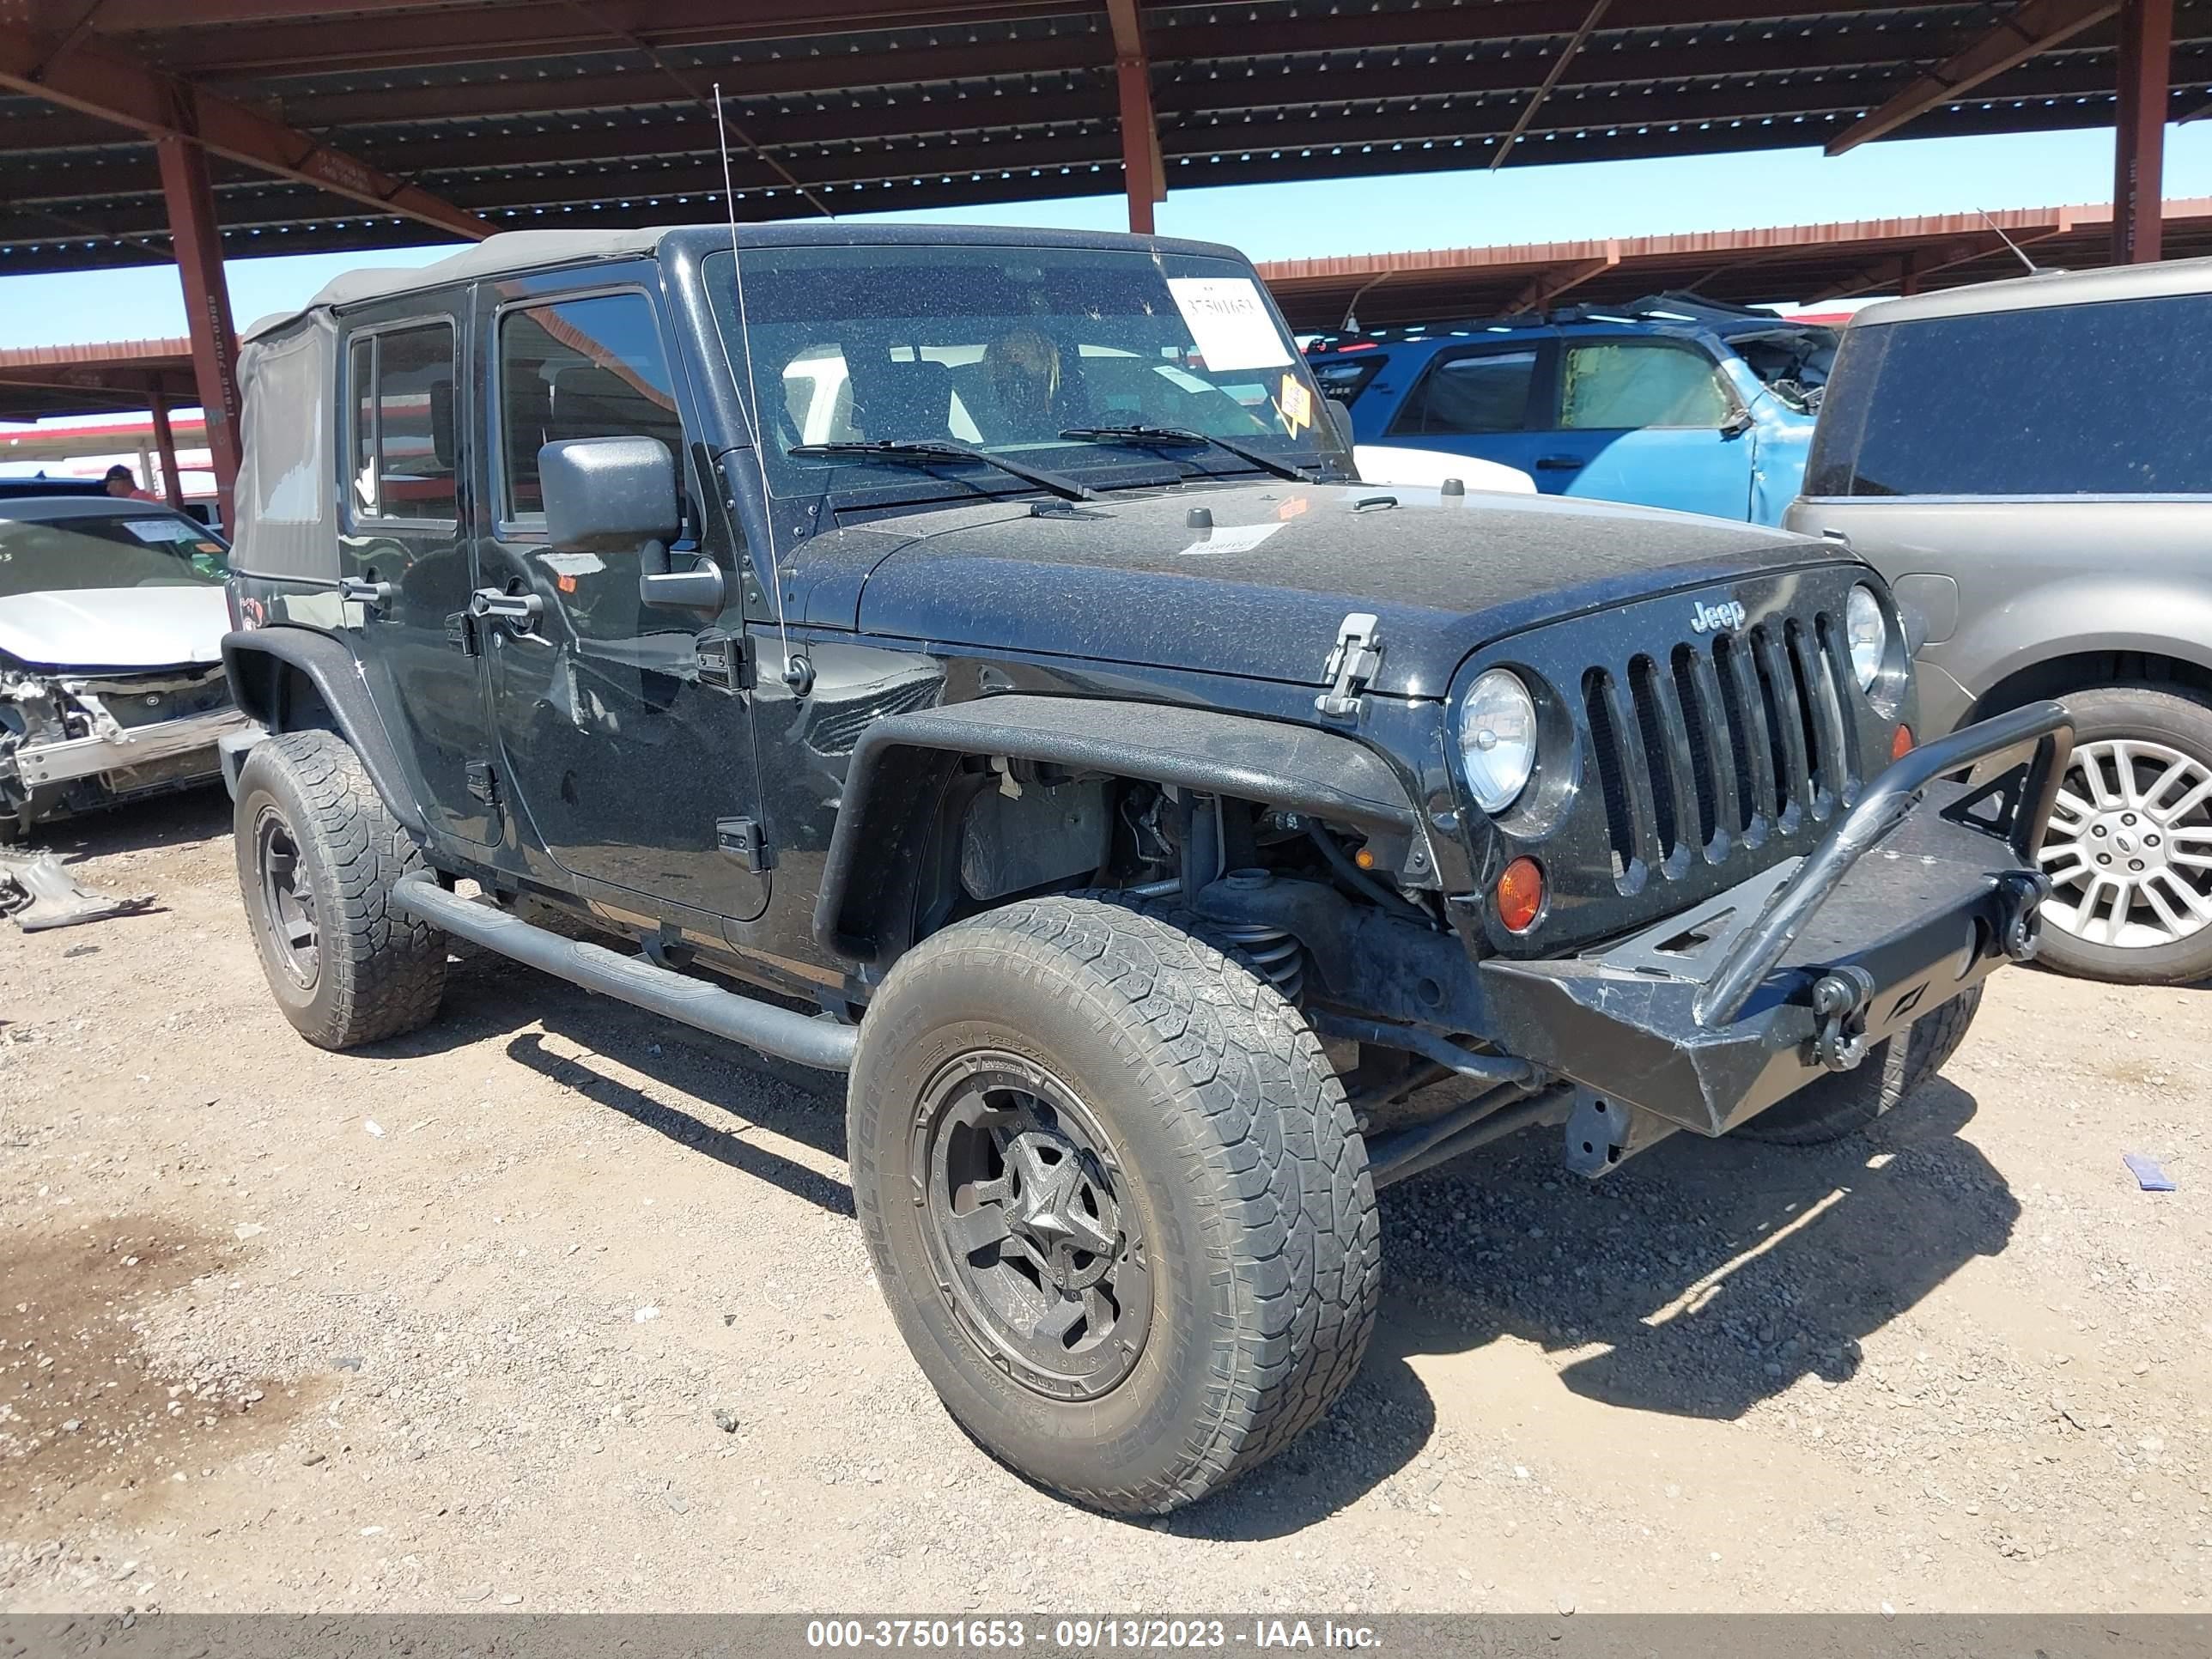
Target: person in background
x: 123, y: 484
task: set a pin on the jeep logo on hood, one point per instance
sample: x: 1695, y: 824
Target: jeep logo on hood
x: 1717, y: 618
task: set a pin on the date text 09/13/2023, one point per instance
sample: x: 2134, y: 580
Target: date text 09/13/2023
x: 1084, y: 1635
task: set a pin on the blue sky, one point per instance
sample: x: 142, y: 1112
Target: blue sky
x: 1532, y: 203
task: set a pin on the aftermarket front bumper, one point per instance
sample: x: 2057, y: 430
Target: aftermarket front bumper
x: 1921, y: 891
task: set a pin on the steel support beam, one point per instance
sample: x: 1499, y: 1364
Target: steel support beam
x: 1141, y: 167
x: 1566, y: 56
x: 2139, y: 143
x: 162, y: 106
x: 1549, y: 285
x: 207, y: 305
x: 2035, y: 26
x: 165, y: 445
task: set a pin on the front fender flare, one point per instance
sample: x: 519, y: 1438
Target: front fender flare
x: 250, y: 657
x: 869, y: 874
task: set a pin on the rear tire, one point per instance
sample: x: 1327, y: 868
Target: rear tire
x: 2133, y: 739
x: 318, y: 855
x: 1214, y: 1165
x: 1839, y: 1103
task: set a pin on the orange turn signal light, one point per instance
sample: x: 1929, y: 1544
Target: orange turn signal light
x: 1901, y: 745
x: 1520, y: 895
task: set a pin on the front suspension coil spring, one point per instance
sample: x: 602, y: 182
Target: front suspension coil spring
x: 1275, y: 955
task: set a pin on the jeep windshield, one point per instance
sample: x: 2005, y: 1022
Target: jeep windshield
x: 131, y: 547
x: 1101, y: 367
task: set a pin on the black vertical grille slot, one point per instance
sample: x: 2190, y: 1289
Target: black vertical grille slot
x: 1704, y: 738
x: 1644, y: 694
x: 1808, y: 677
x: 1785, y: 726
x: 1754, y: 761
x: 1835, y: 655
x: 1605, y: 750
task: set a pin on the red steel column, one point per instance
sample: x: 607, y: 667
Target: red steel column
x: 207, y: 305
x: 2139, y: 155
x: 1139, y: 143
x: 164, y: 443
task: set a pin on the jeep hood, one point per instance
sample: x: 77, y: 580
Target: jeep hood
x: 1261, y: 592
x: 98, y: 628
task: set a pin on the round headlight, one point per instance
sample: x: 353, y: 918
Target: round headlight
x: 1867, y: 628
x: 1498, y: 739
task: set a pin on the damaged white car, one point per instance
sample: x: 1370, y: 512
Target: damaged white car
x: 111, y: 687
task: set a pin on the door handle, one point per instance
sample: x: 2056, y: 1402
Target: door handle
x: 494, y: 604
x: 1558, y: 463
x: 377, y: 596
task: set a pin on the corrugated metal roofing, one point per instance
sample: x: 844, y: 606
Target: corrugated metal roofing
x: 543, y: 113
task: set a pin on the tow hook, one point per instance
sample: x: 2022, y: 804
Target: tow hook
x: 2021, y: 894
x: 1840, y: 1002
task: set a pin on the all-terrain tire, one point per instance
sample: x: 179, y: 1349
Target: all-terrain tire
x: 371, y: 973
x: 1838, y: 1103
x: 2177, y: 721
x: 1234, y: 1145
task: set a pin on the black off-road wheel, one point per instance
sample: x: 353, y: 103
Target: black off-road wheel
x: 1115, y: 1199
x: 1838, y: 1103
x: 318, y: 856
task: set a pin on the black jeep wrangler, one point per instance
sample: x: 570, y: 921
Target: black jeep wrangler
x: 968, y: 661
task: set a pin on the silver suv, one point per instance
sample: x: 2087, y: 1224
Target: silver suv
x: 2030, y: 464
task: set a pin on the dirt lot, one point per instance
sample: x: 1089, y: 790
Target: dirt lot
x: 553, y: 1306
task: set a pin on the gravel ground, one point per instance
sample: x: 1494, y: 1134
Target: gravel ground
x: 555, y: 1307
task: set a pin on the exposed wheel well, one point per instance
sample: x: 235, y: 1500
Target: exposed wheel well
x: 280, y: 695
x: 2081, y: 670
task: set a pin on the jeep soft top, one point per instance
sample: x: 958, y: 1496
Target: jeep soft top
x: 980, y: 640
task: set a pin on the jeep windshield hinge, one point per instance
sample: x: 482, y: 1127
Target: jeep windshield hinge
x: 1351, y: 664
x: 725, y: 660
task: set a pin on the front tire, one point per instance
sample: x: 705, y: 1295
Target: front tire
x: 319, y: 853
x: 1113, y: 1191
x: 1839, y: 1103
x: 2128, y: 848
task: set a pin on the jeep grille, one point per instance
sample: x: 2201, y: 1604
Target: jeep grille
x: 1720, y: 743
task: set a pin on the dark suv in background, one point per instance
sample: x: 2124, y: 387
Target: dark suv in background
x: 2030, y: 464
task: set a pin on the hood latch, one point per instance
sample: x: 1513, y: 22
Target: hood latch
x: 1351, y: 665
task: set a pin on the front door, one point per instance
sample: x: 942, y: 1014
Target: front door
x: 1649, y: 421
x: 1481, y: 401
x: 626, y: 762
x: 399, y: 531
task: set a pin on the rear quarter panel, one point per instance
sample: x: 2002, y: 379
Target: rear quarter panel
x: 2036, y: 579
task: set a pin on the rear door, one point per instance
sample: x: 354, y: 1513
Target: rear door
x: 402, y: 478
x: 1486, y: 401
x: 1648, y: 420
x: 634, y: 764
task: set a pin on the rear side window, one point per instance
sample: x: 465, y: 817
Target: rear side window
x: 1469, y: 396
x: 402, y: 403
x: 1622, y: 385
x: 581, y: 369
x: 2107, y: 400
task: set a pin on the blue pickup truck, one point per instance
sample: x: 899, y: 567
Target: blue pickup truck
x: 1671, y: 402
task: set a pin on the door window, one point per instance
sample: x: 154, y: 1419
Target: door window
x: 1466, y: 397
x: 1615, y: 386
x: 402, y: 444
x: 592, y: 368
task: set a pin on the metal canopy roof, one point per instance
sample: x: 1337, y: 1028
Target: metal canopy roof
x: 1791, y: 264
x: 543, y: 113
x: 39, y: 382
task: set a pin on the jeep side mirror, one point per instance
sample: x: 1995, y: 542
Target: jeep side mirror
x: 609, y: 495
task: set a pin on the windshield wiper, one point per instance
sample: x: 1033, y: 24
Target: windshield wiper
x: 1182, y: 437
x: 921, y: 453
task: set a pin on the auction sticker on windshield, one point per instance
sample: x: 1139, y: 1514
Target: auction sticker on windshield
x: 157, y: 531
x: 1228, y: 322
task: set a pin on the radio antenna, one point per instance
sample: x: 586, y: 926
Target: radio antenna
x: 2033, y: 269
x: 797, y: 673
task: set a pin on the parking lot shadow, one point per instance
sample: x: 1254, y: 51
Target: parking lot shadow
x: 1698, y: 1280
x: 141, y: 826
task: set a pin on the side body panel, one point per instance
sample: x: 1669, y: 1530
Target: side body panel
x: 2020, y: 582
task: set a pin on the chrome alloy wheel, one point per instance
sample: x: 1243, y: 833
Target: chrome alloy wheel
x: 2128, y: 848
